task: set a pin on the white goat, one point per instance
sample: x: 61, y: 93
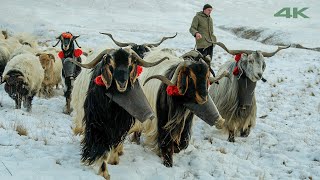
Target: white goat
x: 235, y: 97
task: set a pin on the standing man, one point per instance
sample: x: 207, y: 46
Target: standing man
x: 202, y: 29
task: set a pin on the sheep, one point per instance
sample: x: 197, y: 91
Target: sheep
x: 22, y: 50
x: 111, y: 98
x: 27, y: 39
x: 23, y: 76
x: 176, y: 101
x: 235, y: 97
x: 52, y: 73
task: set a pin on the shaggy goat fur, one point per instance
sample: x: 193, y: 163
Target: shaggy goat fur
x: 225, y: 96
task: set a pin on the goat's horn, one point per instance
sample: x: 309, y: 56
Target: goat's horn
x: 4, y: 78
x: 145, y: 63
x: 215, y: 79
x: 161, y: 78
x: 163, y: 39
x: 176, y: 72
x: 232, y: 52
x: 120, y: 44
x: 56, y: 43
x: 266, y: 54
x: 94, y: 62
x: 77, y: 43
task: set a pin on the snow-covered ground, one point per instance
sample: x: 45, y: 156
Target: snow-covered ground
x: 284, y: 144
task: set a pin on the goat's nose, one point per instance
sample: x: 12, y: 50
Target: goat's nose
x: 260, y: 75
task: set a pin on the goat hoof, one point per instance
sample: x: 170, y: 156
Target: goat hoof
x: 231, y: 140
x: 220, y: 123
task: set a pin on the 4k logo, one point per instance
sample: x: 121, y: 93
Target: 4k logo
x: 286, y: 12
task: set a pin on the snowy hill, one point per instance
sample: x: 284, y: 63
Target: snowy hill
x: 284, y: 144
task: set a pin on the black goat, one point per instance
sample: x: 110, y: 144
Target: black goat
x: 113, y: 100
x: 181, y: 94
x: 69, y: 71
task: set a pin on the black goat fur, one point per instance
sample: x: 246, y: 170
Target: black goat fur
x: 106, y: 123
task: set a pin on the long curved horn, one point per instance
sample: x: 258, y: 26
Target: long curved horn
x: 266, y: 54
x: 163, y: 39
x: 77, y: 44
x: 120, y: 44
x: 145, y: 63
x: 215, y: 79
x: 232, y: 52
x: 94, y: 62
x: 56, y: 43
x: 161, y: 78
x: 176, y: 72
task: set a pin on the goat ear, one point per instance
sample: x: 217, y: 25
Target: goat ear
x: 51, y: 56
x: 107, y: 76
x: 182, y: 82
x: 133, y: 74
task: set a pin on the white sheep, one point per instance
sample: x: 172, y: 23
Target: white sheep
x: 23, y: 76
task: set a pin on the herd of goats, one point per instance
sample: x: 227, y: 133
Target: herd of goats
x: 109, y: 103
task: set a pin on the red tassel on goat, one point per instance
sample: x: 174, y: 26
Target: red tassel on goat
x: 235, y: 71
x: 61, y: 55
x: 237, y: 57
x: 98, y: 81
x: 173, y: 91
x: 139, y: 70
x: 77, y: 52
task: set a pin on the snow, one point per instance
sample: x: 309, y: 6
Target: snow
x: 284, y: 145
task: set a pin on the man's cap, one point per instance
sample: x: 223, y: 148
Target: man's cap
x: 206, y: 6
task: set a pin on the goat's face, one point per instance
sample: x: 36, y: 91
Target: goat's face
x: 193, y: 81
x: 120, y: 67
x: 46, y: 60
x: 66, y: 41
x: 253, y: 65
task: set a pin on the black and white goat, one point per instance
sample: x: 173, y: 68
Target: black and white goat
x: 112, y: 101
x: 69, y: 70
x: 235, y: 97
x: 181, y: 94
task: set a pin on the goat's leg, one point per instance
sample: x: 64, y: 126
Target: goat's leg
x: 67, y: 94
x: 167, y: 153
x: 231, y: 136
x: 100, y: 167
x: 114, y: 154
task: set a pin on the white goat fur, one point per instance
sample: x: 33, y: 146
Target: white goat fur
x: 225, y: 96
x: 31, y: 69
x: 150, y: 127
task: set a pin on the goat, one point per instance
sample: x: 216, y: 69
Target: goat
x: 23, y: 76
x: 69, y: 71
x: 235, y: 97
x: 181, y: 94
x: 52, y: 73
x: 112, y: 99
